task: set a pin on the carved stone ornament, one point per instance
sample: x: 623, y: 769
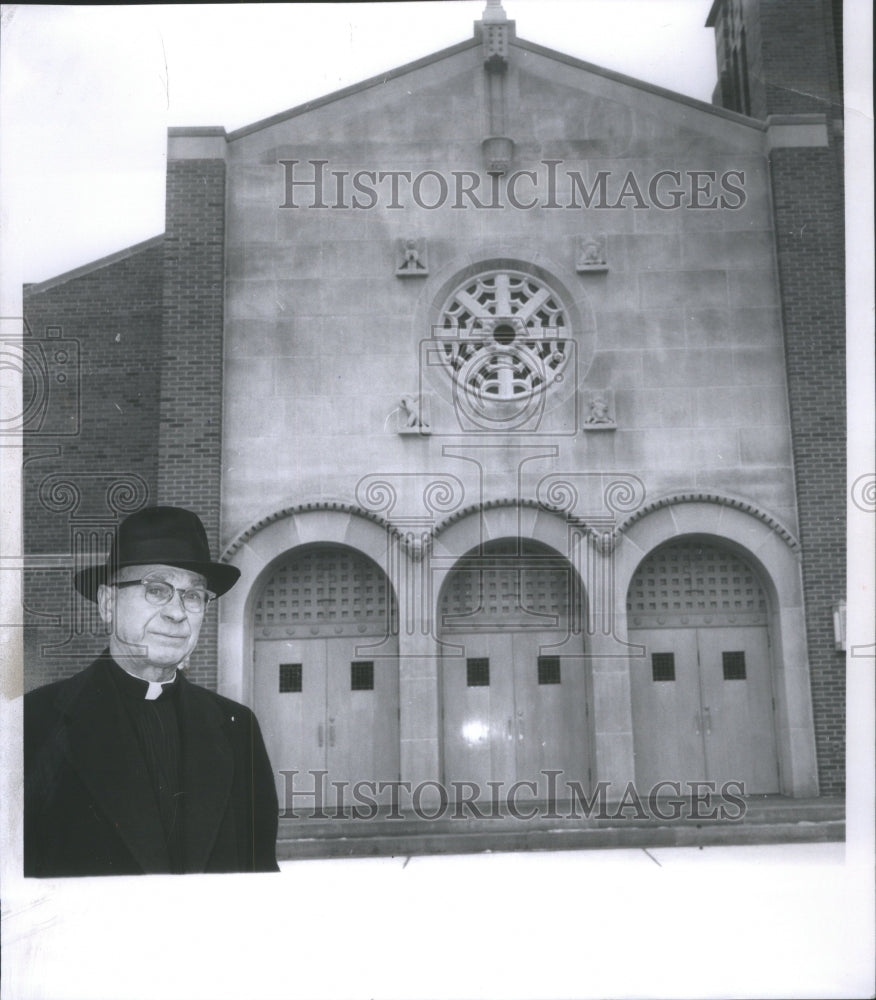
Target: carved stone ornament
x: 411, y: 258
x: 414, y: 414
x: 592, y: 255
x: 498, y: 153
x: 600, y: 412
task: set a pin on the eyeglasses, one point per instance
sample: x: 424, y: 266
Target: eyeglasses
x: 159, y: 593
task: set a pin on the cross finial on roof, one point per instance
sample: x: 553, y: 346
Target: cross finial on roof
x: 494, y: 12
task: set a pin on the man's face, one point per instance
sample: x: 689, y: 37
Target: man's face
x: 152, y: 640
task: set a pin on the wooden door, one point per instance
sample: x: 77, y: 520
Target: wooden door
x: 513, y: 711
x: 325, y: 707
x: 478, y: 701
x: 737, y: 708
x: 362, y: 715
x: 513, y: 706
x: 550, y: 719
x: 289, y: 692
x: 703, y: 708
x: 665, y: 692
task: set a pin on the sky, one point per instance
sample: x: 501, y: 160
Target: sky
x: 87, y: 93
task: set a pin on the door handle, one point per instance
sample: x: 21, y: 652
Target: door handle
x: 697, y: 724
x: 319, y: 739
x: 707, y: 715
x: 510, y: 730
x: 520, y: 729
x: 331, y: 732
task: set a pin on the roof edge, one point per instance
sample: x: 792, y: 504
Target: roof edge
x: 35, y: 288
x: 198, y: 130
x: 354, y: 88
x: 631, y: 81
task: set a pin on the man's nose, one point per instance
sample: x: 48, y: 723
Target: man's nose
x: 174, y: 608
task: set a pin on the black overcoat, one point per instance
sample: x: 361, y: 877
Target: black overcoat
x: 89, y: 805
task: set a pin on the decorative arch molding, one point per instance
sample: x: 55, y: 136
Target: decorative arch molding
x: 340, y: 506
x: 471, y: 526
x: 476, y: 508
x: 411, y: 543
x: 607, y: 540
x: 725, y: 500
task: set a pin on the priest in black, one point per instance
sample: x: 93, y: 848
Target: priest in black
x: 129, y: 767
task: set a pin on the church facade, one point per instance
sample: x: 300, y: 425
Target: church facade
x: 514, y: 388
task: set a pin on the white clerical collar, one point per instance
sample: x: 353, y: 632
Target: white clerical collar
x: 155, y: 687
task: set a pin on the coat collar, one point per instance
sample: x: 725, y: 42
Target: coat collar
x: 104, y: 751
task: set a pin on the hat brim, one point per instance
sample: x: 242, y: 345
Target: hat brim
x: 220, y: 577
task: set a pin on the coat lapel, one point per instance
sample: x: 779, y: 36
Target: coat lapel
x: 104, y: 752
x: 208, y: 771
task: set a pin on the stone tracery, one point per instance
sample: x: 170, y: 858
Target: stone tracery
x: 504, y: 335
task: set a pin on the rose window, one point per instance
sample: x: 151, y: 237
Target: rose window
x: 503, y: 336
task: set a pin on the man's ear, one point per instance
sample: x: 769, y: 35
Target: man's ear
x: 105, y: 599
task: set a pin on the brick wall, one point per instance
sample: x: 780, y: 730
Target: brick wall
x: 795, y: 67
x: 792, y: 47
x: 798, y: 65
x: 801, y: 66
x: 189, y: 469
x: 76, y: 485
x: 807, y: 190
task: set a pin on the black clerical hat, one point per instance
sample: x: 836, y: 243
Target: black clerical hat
x: 170, y: 536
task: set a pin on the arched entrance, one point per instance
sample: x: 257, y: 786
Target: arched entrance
x: 702, y: 695
x: 514, y: 683
x: 325, y: 684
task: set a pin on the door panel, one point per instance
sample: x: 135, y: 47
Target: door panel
x: 327, y: 726
x: 292, y: 723
x: 514, y: 728
x: 550, y: 717
x: 711, y: 722
x: 478, y: 718
x: 737, y: 708
x: 362, y: 724
x: 667, y: 736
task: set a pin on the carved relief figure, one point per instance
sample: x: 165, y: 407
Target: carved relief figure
x: 412, y: 259
x: 599, y: 412
x: 591, y: 253
x: 412, y: 414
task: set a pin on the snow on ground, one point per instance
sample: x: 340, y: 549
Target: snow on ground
x: 736, y: 921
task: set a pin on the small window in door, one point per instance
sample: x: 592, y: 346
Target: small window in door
x: 477, y: 672
x: 362, y: 675
x: 663, y: 666
x: 290, y: 678
x: 734, y: 666
x: 549, y: 670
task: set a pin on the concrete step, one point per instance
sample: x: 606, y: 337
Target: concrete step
x: 770, y: 819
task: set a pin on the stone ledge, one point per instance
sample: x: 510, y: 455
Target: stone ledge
x: 770, y: 820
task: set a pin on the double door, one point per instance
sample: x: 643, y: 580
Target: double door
x: 703, y: 707
x: 514, y: 708
x: 328, y: 705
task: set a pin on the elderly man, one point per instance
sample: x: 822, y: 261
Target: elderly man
x: 129, y: 767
